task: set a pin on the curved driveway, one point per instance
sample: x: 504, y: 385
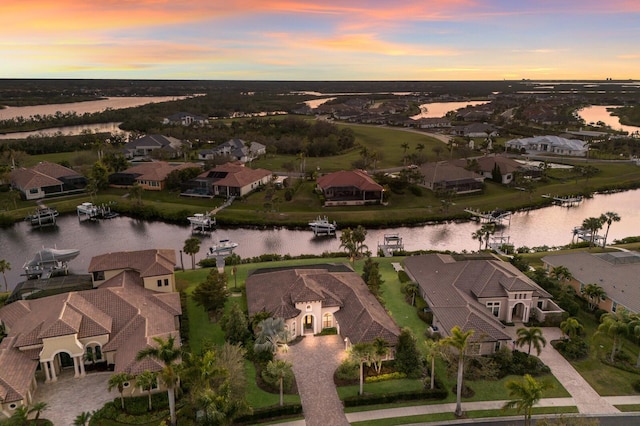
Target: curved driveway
x: 315, y: 359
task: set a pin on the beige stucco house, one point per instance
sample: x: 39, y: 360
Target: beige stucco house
x: 479, y: 294
x: 319, y: 297
x: 134, y: 300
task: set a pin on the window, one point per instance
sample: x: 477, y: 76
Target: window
x: 496, y: 348
x: 494, y: 307
x: 90, y: 353
x: 98, y: 275
x: 327, y: 321
x: 473, y: 349
x: 34, y: 190
x: 159, y: 283
x: 13, y: 406
x: 308, y: 308
x: 166, y: 281
x: 614, y: 306
x: 126, y: 384
x: 98, y: 352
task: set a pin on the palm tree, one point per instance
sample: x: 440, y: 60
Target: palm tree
x: 147, y: 380
x: 380, y: 351
x: 135, y: 192
x: 359, y: 237
x: 609, y: 218
x: 37, y: 408
x: 405, y: 148
x: 348, y: 243
x: 458, y: 340
x: 191, y: 247
x: 594, y: 294
x: 20, y: 416
x: 271, y: 333
x: 82, y: 419
x: 571, y: 327
x: 592, y: 224
x: 634, y: 329
x: 118, y: 381
x: 615, y: 324
x: 561, y: 273
x: 527, y: 393
x: 169, y: 354
x: 280, y: 370
x: 362, y: 353
x: 412, y: 289
x: 5, y: 266
x: 531, y: 336
x: 433, y: 351
x: 487, y: 230
x: 478, y: 235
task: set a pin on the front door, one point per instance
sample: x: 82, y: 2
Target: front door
x: 65, y: 360
x: 308, y: 323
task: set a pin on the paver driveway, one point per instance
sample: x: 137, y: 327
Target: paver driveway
x: 314, y: 360
x: 68, y: 396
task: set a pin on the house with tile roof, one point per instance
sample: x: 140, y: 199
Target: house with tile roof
x: 231, y: 180
x: 317, y: 297
x: 445, y: 176
x: 481, y: 295
x: 46, y: 179
x: 151, y: 176
x: 235, y: 150
x: 185, y: 119
x: 349, y: 188
x: 508, y: 168
x: 550, y: 144
x: 133, y: 302
x: 167, y: 146
x: 616, y: 272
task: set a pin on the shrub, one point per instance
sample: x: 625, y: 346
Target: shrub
x: 403, y: 276
x: 387, y: 398
x: 636, y: 386
x: 329, y: 331
x: 384, y: 377
x: 269, y: 413
x: 573, y: 349
x: 426, y: 316
x: 348, y: 370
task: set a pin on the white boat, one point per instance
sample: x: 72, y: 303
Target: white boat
x: 222, y: 248
x: 88, y: 209
x: 202, y: 222
x: 322, y: 226
x: 48, y: 262
x: 43, y: 216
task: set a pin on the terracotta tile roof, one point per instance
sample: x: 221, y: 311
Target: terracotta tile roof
x: 446, y: 171
x: 41, y: 175
x: 235, y: 175
x: 346, y: 178
x: 361, y: 317
x: 15, y: 381
x: 147, y: 262
x: 486, y: 164
x: 156, y: 170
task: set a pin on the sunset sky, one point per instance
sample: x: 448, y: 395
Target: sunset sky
x: 320, y: 40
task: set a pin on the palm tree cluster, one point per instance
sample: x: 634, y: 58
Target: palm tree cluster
x: 595, y: 224
x: 352, y: 241
x: 484, y: 234
x: 619, y: 324
x: 527, y: 393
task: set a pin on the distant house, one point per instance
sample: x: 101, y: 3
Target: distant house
x: 444, y: 176
x: 61, y: 335
x: 234, y: 149
x: 476, y: 130
x: 349, y: 187
x: 45, y: 180
x: 550, y: 145
x: 318, y: 297
x: 479, y: 295
x: 431, y: 123
x: 231, y: 179
x: 485, y: 166
x: 185, y: 119
x: 150, y: 176
x: 143, y: 147
x: 616, y: 272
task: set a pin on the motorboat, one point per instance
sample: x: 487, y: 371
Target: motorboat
x: 48, y: 262
x: 224, y: 247
x: 202, y: 222
x: 43, y: 216
x: 322, y: 226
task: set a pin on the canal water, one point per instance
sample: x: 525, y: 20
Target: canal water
x: 550, y: 226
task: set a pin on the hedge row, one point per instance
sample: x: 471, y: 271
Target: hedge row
x: 270, y: 413
x: 387, y: 398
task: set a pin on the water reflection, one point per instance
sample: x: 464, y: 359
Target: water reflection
x: 551, y: 226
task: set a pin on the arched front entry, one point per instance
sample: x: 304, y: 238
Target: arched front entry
x: 308, y: 324
x: 519, y: 313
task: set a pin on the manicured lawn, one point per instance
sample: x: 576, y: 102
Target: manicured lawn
x: 401, y: 385
x: 628, y: 408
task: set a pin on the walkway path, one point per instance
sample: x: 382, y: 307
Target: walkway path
x: 67, y: 397
x: 314, y: 360
x: 586, y: 399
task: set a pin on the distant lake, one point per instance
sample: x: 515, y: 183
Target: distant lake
x: 440, y: 109
x: 85, y: 107
x: 67, y: 131
x: 595, y: 113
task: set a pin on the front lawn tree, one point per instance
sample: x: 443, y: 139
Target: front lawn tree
x: 170, y: 356
x: 526, y: 394
x: 458, y: 340
x: 571, y: 327
x: 616, y: 325
x: 271, y: 333
x: 408, y: 359
x: 235, y: 325
x: 531, y: 336
x: 117, y: 381
x: 281, y: 372
x: 212, y: 293
x: 363, y: 353
x: 147, y: 380
x: 433, y: 350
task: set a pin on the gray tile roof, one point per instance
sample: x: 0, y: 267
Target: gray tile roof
x: 361, y: 317
x: 616, y: 272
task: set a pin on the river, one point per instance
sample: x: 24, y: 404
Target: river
x: 551, y: 226
x: 595, y: 113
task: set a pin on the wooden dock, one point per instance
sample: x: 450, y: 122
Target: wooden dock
x: 567, y: 201
x: 497, y: 216
x: 392, y: 243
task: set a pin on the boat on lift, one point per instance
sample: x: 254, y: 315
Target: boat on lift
x: 202, y: 222
x: 43, y: 216
x: 322, y: 226
x: 49, y: 262
x: 224, y: 247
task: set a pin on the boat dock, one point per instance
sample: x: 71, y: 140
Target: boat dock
x: 498, y: 242
x: 43, y: 216
x: 321, y: 226
x: 586, y: 235
x: 90, y: 211
x: 202, y: 223
x: 568, y: 201
x: 391, y: 244
x: 497, y: 216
